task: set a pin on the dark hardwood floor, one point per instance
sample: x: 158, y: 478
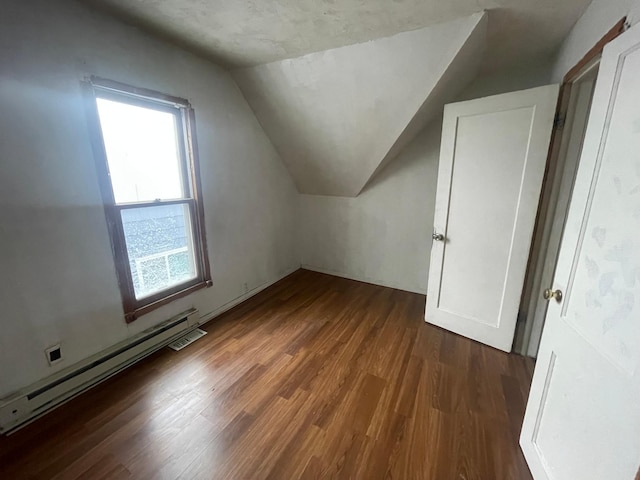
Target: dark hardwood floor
x: 315, y: 377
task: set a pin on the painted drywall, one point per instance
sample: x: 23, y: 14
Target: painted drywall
x: 383, y: 236
x: 58, y: 283
x: 598, y: 18
x: 459, y: 74
x: 333, y: 116
x: 517, y: 77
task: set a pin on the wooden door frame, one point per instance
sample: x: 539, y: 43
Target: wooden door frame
x: 539, y: 244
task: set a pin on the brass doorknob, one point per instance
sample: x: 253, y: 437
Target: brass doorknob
x: 438, y: 237
x: 548, y: 294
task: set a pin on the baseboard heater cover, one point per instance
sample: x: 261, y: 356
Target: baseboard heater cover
x: 39, y: 398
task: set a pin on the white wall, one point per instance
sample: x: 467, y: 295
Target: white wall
x: 597, y: 20
x: 58, y: 282
x: 518, y: 77
x: 383, y: 235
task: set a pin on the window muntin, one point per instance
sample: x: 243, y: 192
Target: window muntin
x: 147, y: 158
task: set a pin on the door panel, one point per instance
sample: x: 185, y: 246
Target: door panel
x: 466, y: 276
x: 583, y: 414
x: 606, y: 264
x: 492, y: 162
x: 563, y: 431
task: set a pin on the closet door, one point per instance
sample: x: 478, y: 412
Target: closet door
x: 583, y: 415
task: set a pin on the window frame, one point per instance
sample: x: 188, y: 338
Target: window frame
x: 96, y: 87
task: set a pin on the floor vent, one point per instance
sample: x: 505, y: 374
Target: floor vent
x: 188, y: 339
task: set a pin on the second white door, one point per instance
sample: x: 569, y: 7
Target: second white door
x: 492, y: 162
x: 583, y: 413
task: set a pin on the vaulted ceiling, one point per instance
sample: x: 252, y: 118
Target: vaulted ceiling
x: 335, y: 115
x: 342, y: 86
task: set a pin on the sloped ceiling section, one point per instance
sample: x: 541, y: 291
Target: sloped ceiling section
x: 334, y: 116
x: 459, y: 74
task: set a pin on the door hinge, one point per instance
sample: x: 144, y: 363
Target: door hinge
x: 558, y: 121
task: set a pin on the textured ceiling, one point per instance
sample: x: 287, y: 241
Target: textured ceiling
x: 341, y: 86
x: 336, y: 116
x: 250, y: 32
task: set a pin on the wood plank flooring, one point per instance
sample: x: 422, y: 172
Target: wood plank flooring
x: 315, y: 377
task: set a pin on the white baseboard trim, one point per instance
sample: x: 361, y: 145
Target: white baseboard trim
x: 363, y: 279
x: 246, y: 296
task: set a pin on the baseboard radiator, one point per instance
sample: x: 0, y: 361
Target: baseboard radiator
x: 37, y: 399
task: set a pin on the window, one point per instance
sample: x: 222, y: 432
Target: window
x: 144, y: 143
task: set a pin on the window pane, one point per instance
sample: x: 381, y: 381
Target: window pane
x: 160, y: 247
x: 142, y: 152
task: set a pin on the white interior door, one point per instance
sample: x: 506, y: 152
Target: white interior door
x: 492, y: 161
x: 583, y: 414
x: 561, y: 177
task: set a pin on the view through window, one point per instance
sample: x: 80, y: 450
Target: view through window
x: 150, y: 171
